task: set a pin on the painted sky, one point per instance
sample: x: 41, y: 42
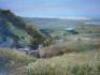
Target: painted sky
x: 53, y: 8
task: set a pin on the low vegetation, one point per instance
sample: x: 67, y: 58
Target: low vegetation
x: 86, y: 63
x: 16, y: 56
x: 75, y: 57
x: 15, y: 62
x: 80, y: 44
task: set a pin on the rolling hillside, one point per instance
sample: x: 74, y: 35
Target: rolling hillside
x: 15, y: 33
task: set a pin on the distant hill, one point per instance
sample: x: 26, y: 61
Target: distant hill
x: 52, y: 23
x: 56, y: 23
x: 15, y: 33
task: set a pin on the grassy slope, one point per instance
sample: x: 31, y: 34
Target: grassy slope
x: 83, y: 59
x: 73, y: 63
x: 82, y: 63
x: 14, y: 28
x: 16, y: 56
x: 87, y: 63
x: 16, y: 61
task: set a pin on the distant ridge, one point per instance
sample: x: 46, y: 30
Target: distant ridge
x: 59, y: 23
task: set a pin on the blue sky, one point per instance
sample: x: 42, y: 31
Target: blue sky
x: 53, y: 8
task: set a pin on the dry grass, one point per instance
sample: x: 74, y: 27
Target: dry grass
x: 16, y: 56
x: 78, y: 45
x: 79, y: 57
x: 86, y: 63
x: 17, y: 61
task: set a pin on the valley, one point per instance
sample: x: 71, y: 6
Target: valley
x: 48, y: 46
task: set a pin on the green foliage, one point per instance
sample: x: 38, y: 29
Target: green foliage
x: 21, y: 32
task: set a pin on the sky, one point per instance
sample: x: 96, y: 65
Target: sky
x: 53, y: 8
